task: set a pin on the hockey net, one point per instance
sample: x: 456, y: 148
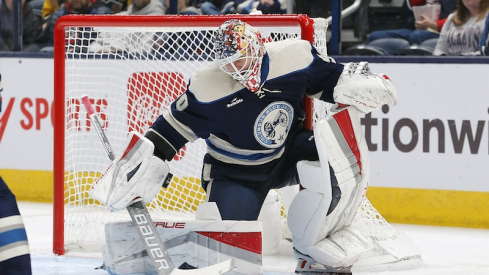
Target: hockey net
x: 132, y: 68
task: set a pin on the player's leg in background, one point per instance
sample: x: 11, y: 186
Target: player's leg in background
x: 15, y: 257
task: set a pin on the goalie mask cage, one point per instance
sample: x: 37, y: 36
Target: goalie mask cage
x: 131, y: 68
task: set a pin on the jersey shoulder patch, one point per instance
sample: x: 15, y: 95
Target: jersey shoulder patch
x: 211, y: 83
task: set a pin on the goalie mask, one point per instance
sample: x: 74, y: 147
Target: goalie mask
x: 239, y: 52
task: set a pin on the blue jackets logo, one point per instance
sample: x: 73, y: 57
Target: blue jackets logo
x: 273, y: 124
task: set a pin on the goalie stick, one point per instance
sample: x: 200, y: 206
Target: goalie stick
x: 153, y: 243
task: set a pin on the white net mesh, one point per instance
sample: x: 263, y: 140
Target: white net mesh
x: 130, y: 75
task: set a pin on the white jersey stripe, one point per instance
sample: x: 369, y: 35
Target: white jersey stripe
x: 14, y: 250
x: 11, y: 222
x: 226, y: 146
x: 183, y: 130
x: 241, y: 161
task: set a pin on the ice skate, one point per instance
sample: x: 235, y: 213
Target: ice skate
x: 307, y: 265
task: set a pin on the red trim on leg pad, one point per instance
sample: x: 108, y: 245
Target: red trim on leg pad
x: 343, y: 120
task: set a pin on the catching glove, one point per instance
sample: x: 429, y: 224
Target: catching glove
x: 367, y: 91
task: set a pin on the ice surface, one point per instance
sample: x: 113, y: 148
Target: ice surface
x: 446, y: 250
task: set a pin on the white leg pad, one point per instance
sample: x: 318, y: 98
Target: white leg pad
x: 341, y: 142
x: 304, y: 218
x: 325, y: 236
x: 342, y: 248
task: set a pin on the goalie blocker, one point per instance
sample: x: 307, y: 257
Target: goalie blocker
x: 136, y: 174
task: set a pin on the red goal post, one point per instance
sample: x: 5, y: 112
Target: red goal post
x: 118, y: 81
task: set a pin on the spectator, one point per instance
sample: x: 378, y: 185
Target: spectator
x: 185, y: 7
x: 215, y: 7
x: 135, y: 42
x: 245, y: 7
x: 423, y: 32
x: 117, y: 6
x: 49, y: 7
x: 265, y: 6
x: 31, y: 27
x: 484, y: 43
x: 464, y: 29
x: 145, y: 7
x: 82, y: 37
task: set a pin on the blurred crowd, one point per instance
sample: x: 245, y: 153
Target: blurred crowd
x: 40, y: 16
x: 454, y: 27
x: 443, y: 27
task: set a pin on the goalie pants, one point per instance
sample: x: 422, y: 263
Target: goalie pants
x: 239, y: 191
x: 14, y: 250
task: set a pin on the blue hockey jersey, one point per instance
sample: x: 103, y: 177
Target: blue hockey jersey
x: 245, y: 128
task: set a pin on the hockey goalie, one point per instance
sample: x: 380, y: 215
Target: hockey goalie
x: 248, y: 107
